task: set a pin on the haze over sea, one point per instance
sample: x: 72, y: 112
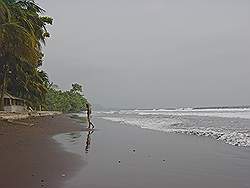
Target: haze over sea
x: 229, y: 125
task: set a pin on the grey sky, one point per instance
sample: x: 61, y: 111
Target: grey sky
x: 148, y: 54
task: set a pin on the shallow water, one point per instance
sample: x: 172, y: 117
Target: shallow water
x: 231, y: 126
x: 128, y: 156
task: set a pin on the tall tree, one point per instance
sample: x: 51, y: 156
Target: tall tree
x: 66, y: 101
x: 22, y: 33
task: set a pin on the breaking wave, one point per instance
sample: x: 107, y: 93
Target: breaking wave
x: 231, y: 127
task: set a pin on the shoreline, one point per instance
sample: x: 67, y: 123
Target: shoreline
x: 51, y: 154
x: 129, y: 156
x: 25, y: 115
x: 31, y: 158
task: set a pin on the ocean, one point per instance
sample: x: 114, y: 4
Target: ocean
x: 228, y: 125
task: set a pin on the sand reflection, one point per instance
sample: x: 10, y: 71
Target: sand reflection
x: 88, y: 141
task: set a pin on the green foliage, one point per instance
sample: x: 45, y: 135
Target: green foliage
x: 27, y: 82
x: 76, y: 88
x: 22, y: 33
x: 65, y: 101
x: 22, y: 30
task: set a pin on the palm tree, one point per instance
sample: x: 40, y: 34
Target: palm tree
x: 28, y: 83
x: 15, y: 39
x: 22, y: 31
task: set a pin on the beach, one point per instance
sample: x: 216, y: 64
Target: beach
x: 124, y: 94
x: 31, y: 158
x: 128, y: 156
x: 59, y: 152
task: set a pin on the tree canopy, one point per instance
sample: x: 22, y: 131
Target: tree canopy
x: 71, y: 100
x: 23, y: 32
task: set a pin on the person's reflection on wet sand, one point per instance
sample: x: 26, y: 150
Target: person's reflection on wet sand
x: 88, y: 141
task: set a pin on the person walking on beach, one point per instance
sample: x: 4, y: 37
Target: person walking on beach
x: 88, y: 116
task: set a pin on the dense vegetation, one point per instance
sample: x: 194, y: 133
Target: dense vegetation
x: 22, y: 34
x: 65, y: 101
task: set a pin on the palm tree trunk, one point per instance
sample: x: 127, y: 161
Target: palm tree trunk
x: 3, y: 88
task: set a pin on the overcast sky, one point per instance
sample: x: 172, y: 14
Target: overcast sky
x: 152, y: 53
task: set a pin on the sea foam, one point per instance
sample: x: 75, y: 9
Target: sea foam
x: 230, y: 126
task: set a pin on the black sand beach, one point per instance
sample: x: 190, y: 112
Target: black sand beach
x: 127, y: 156
x: 53, y: 153
x: 31, y: 158
x: 165, y: 84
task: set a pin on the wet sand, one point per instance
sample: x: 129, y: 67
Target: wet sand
x: 29, y: 157
x: 53, y: 153
x: 121, y: 156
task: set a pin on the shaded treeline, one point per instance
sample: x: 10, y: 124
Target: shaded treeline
x: 22, y: 34
x: 65, y: 101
